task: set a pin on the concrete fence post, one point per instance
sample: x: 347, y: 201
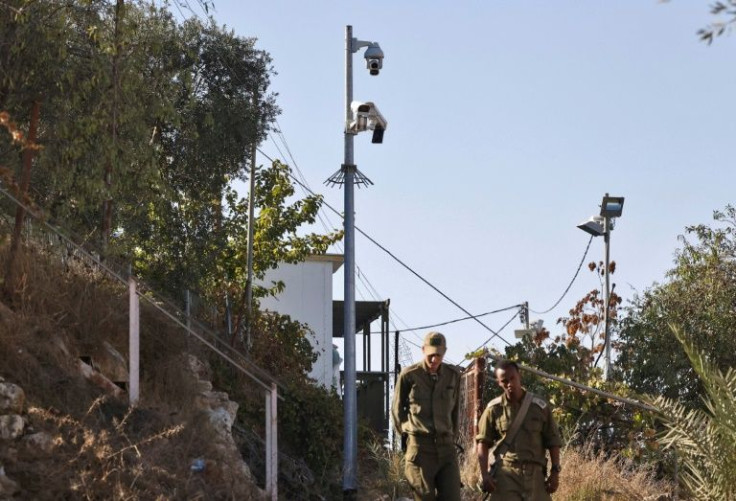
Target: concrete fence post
x: 272, y: 454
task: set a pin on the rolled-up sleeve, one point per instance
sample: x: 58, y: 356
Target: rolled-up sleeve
x: 487, y: 432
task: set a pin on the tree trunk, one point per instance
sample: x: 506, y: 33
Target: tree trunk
x: 20, y: 213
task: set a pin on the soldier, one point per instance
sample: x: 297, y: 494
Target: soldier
x: 520, y: 475
x: 425, y: 412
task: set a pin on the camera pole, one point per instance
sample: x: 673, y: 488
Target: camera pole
x: 349, y: 176
x: 350, y: 444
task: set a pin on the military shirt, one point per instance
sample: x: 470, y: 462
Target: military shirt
x: 537, y: 433
x: 424, y: 405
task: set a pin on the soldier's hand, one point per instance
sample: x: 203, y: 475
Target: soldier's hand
x: 552, y: 483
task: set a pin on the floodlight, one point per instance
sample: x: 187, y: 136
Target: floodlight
x: 594, y: 226
x: 612, y: 206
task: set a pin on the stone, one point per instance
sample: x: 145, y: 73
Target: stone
x: 12, y: 398
x: 11, y: 426
x: 8, y: 487
x: 111, y: 363
x: 41, y: 442
x: 99, y: 380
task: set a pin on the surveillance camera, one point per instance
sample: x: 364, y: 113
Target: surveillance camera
x: 367, y: 117
x: 374, y: 58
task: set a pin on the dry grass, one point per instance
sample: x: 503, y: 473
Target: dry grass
x: 589, y: 477
x: 586, y: 477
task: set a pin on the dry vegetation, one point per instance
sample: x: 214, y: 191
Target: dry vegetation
x: 101, y: 448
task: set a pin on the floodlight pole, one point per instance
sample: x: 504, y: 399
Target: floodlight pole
x: 607, y: 305
x: 611, y: 207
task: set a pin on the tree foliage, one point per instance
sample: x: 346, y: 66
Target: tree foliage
x: 575, y: 354
x: 147, y: 124
x: 699, y: 295
x: 715, y: 29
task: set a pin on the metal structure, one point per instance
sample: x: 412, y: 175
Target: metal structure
x: 372, y: 382
x: 359, y: 117
x: 611, y: 207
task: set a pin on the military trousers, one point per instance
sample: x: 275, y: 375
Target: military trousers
x: 432, y: 469
x: 520, y: 482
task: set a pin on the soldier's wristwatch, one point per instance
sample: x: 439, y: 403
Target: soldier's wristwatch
x: 556, y: 468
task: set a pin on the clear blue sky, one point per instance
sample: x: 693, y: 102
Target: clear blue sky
x: 508, y: 121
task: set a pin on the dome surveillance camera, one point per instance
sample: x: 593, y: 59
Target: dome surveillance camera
x: 374, y: 58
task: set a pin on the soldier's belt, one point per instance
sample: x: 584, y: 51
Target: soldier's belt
x: 431, y: 439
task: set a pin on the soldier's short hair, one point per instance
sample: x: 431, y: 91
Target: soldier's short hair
x: 505, y: 364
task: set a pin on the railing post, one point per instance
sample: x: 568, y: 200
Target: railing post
x: 272, y: 451
x: 133, y: 343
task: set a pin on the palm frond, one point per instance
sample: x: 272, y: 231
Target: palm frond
x: 704, y: 438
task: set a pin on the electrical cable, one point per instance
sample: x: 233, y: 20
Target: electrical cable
x: 328, y: 225
x: 502, y: 328
x: 424, y: 327
x: 407, y: 267
x: 571, y: 282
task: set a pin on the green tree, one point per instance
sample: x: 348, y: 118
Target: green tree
x: 705, y: 439
x: 99, y: 72
x: 180, y: 234
x: 698, y: 295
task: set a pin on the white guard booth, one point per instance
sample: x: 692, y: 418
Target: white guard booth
x: 307, y: 298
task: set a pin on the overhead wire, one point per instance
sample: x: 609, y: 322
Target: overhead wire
x: 328, y: 225
x: 424, y: 327
x: 403, y: 264
x: 502, y: 328
x: 570, y: 284
x: 359, y: 273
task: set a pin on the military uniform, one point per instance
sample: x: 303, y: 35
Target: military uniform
x: 426, y: 408
x: 521, y: 475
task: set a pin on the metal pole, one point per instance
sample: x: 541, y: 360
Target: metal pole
x: 350, y: 459
x: 251, y: 222
x: 396, y: 377
x: 607, y: 304
x: 396, y: 356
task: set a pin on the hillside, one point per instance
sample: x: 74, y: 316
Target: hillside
x: 79, y: 439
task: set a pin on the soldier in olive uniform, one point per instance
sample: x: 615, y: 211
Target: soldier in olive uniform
x: 425, y: 412
x: 521, y: 474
